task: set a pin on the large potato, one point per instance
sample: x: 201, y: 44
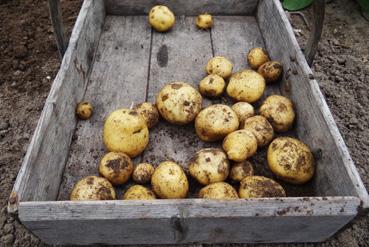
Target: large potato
x: 220, y: 66
x: 125, y: 131
x: 204, y: 21
x: 149, y: 112
x: 161, y: 18
x: 93, y: 188
x: 179, y: 103
x: 246, y: 85
x: 291, y: 160
x: 256, y: 57
x: 142, y: 173
x: 169, y: 181
x: 241, y: 170
x: 271, y: 71
x: 219, y: 190
x: 116, y: 167
x: 84, y: 110
x: 243, y: 110
x: 240, y: 145
x: 209, y: 165
x: 261, y: 128
x: 212, y: 86
x: 139, y: 192
x: 259, y: 187
x: 215, y: 122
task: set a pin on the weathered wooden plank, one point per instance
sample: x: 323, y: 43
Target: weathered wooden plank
x: 57, y: 21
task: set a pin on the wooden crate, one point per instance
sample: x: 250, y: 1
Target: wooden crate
x: 114, y: 59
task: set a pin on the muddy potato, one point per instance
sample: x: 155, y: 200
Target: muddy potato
x: 139, y: 192
x: 261, y: 128
x: 256, y: 57
x: 212, y: 86
x: 116, y: 167
x: 215, y: 122
x: 149, y: 112
x: 142, y: 173
x: 220, y: 66
x: 84, y: 110
x: 161, y: 18
x: 240, y: 145
x: 209, y: 165
x: 241, y: 170
x: 271, y: 71
x: 291, y: 160
x: 243, y: 110
x: 204, y: 21
x: 219, y: 190
x: 92, y: 188
x: 259, y: 187
x: 246, y: 85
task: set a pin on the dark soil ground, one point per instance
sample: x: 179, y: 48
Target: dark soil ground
x: 29, y: 62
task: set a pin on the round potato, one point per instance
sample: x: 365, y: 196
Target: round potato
x: 256, y: 57
x: 139, y: 192
x: 116, y: 167
x: 271, y: 71
x: 149, y: 112
x: 241, y: 170
x: 261, y: 128
x: 179, y: 103
x: 125, y: 131
x: 161, y: 18
x: 259, y: 187
x: 142, y: 173
x: 169, y: 181
x: 243, y: 110
x: 219, y: 191
x: 212, y: 86
x: 209, y: 165
x: 204, y: 21
x: 246, y: 85
x: 240, y: 145
x: 279, y: 112
x: 84, y: 110
x: 215, y: 122
x: 93, y: 188
x: 291, y: 160
x: 220, y: 66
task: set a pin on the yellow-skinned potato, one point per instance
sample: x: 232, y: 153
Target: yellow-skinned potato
x: 142, y: 173
x: 256, y: 57
x: 271, y: 71
x: 259, y: 187
x: 179, y: 103
x: 291, y: 160
x: 212, y: 86
x: 149, y: 112
x: 240, y: 145
x: 204, y: 21
x: 241, y: 170
x: 261, y: 128
x: 279, y: 112
x: 219, y: 191
x: 246, y: 85
x: 125, y: 131
x: 139, y: 192
x: 84, y: 110
x: 209, y: 165
x: 116, y: 167
x: 169, y: 181
x: 220, y: 66
x: 215, y: 122
x: 92, y: 188
x: 243, y: 110
x: 161, y: 18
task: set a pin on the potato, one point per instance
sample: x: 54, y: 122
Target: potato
x: 241, y: 170
x: 243, y: 110
x: 279, y: 112
x: 246, y: 85
x: 204, y: 21
x: 149, y: 112
x: 240, y: 145
x: 161, y: 18
x: 142, y: 173
x: 271, y: 71
x: 169, y: 181
x: 139, y: 192
x: 220, y: 66
x: 256, y: 57
x: 212, y: 86
x: 261, y: 128
x: 92, y: 188
x: 215, y: 122
x: 209, y: 165
x: 84, y: 110
x: 259, y: 187
x: 291, y: 160
x: 219, y: 190
x: 125, y: 131
x: 179, y: 103
x: 116, y: 167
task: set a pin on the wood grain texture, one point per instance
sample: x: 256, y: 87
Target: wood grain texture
x: 57, y: 22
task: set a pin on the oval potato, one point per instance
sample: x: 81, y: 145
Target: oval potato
x: 116, y: 167
x: 219, y: 191
x: 240, y: 145
x: 149, y: 112
x: 220, y: 66
x: 84, y: 110
x: 241, y: 170
x: 139, y: 192
x: 256, y: 57
x: 260, y: 187
x: 142, y: 173
x: 271, y: 71
x: 261, y: 128
x: 243, y: 110
x: 204, y: 21
x: 161, y: 18
x: 93, y: 188
x: 212, y: 86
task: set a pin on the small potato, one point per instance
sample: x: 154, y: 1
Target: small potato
x: 92, y: 188
x: 161, y: 18
x: 241, y: 170
x: 179, y: 103
x: 256, y: 57
x: 84, y: 110
x: 149, y: 112
x: 243, y: 110
x: 212, y: 86
x: 142, y: 173
x: 204, y: 21
x: 116, y: 167
x: 219, y: 191
x: 209, y: 165
x: 240, y: 145
x: 259, y: 187
x: 279, y: 112
x: 169, y: 181
x: 139, y: 192
x: 215, y: 122
x: 271, y: 71
x: 246, y: 85
x: 291, y: 160
x: 220, y: 66
x: 261, y: 128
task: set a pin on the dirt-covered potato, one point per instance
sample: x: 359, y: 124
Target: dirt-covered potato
x: 256, y: 57
x: 169, y: 181
x: 219, y: 190
x: 220, y: 66
x: 241, y: 170
x: 179, y: 103
x: 209, y: 165
x: 212, y: 86
x: 93, y: 188
x: 204, y: 21
x: 240, y: 145
x: 142, y: 173
x: 116, y: 167
x: 259, y: 187
x: 243, y: 110
x: 271, y: 71
x: 149, y: 112
x: 84, y: 110
x: 291, y: 160
x: 161, y: 18
x: 246, y: 85
x: 279, y: 112
x: 215, y: 122
x: 261, y: 128
x: 125, y: 131
x: 139, y: 192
